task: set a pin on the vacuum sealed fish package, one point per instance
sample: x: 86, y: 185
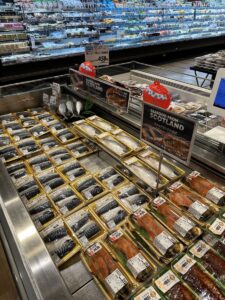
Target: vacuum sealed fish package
x: 40, y: 163
x: 110, y: 276
x: 7, y: 118
x: 129, y: 140
x: 23, y: 114
x: 171, y: 287
x: 143, y: 175
x: 206, y: 188
x: 45, y: 116
x: 4, y: 140
x: 81, y: 148
x: 59, y: 242
x: 29, y: 122
x: 38, y: 130
x: 197, y: 279
x: 209, y: 259
x: 9, y: 153
x: 110, y: 144
x: 101, y: 123
x: 66, y: 199
x: 85, y: 227
x: 196, y: 206
x: 87, y: 129
x: 66, y: 136
x: 19, y: 135
x: 132, y: 197
x: 159, y: 240
x: 90, y: 188
x: 12, y: 126
x: 17, y: 170
x: 131, y: 257
x: 59, y: 155
x: 50, y: 180
x: 175, y: 220
x: 41, y: 211
x: 27, y: 188
x: 109, y: 211
x: 28, y: 146
x: 56, y: 126
x: 48, y: 142
x: 168, y: 169
x: 72, y: 170
x: 111, y: 178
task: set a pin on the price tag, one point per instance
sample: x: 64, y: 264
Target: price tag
x: 45, y: 99
x: 97, y: 54
x: 217, y: 227
x: 52, y: 100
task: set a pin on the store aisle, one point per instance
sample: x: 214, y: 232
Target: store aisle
x: 8, y: 289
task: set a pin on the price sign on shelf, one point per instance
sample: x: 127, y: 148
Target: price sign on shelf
x: 97, y: 54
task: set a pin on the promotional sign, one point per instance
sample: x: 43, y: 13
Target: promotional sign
x: 94, y: 88
x: 172, y: 133
x: 97, y: 54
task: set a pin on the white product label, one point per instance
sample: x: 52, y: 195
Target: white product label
x: 175, y: 186
x: 25, y: 151
x: 137, y: 264
x: 26, y: 123
x: 197, y: 209
x: 111, y: 224
x: 140, y: 213
x: 183, y: 225
x: 71, y: 177
x: 115, y: 235
x: 116, y: 281
x: 158, y: 201
x: 9, y: 130
x: 148, y: 294
x: 184, y: 264
x: 217, y: 227
x: 84, y: 241
x: 199, y: 249
x: 48, y: 189
x: 46, y: 147
x: 94, y: 249
x: 166, y: 281
x: 63, y: 139
x: 215, y: 195
x: 97, y: 54
x: 35, y: 133
x: 53, y: 130
x: 193, y: 174
x: 163, y: 242
x: 37, y: 168
x: 58, y: 160
x: 17, y: 138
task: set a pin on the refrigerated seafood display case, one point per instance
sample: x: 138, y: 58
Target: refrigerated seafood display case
x: 78, y: 222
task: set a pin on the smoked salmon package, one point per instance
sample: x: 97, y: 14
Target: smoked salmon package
x: 171, y: 287
x: 109, y: 211
x: 148, y: 293
x: 195, y: 205
x: 197, y: 279
x: 218, y: 244
x: 72, y: 170
x: 108, y: 273
x: 143, y: 175
x: 59, y: 242
x: 210, y: 260
x: 111, y: 178
x: 86, y: 129
x: 85, y: 227
x: 206, y: 188
x: 131, y: 257
x: 101, y: 123
x: 217, y: 227
x: 132, y: 197
x: 168, y: 169
x: 174, y: 219
x: 159, y: 240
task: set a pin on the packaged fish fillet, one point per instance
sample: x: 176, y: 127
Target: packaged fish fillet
x: 164, y: 244
x: 4, y: 140
x: 45, y: 115
x: 20, y: 134
x: 172, y: 288
x: 59, y: 242
x: 27, y: 188
x: 41, y: 211
x: 218, y: 244
x: 90, y: 188
x: 66, y: 200
x: 85, y: 227
x: 195, y: 277
x: 29, y: 122
x: 37, y: 111
x: 56, y: 126
x: 112, y: 145
x: 109, y: 275
x: 191, y: 202
x: 13, y: 126
x: 129, y: 140
x: 167, y: 169
x: 210, y: 260
x: 28, y: 146
x: 206, y: 188
x: 72, y: 170
x: 9, y: 153
x: 87, y: 129
x: 144, y: 173
x: 110, y: 211
x: 60, y: 155
x: 111, y: 178
x: 101, y: 123
x: 4, y: 119
x: 50, y: 180
x: 149, y: 293
x: 46, y: 119
x: 66, y: 136
x: 38, y: 130
x: 130, y: 256
x: 217, y: 227
x: 40, y: 163
x: 132, y: 197
x: 16, y: 167
x: 80, y: 148
x: 23, y: 114
x: 175, y: 220
x: 48, y: 143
